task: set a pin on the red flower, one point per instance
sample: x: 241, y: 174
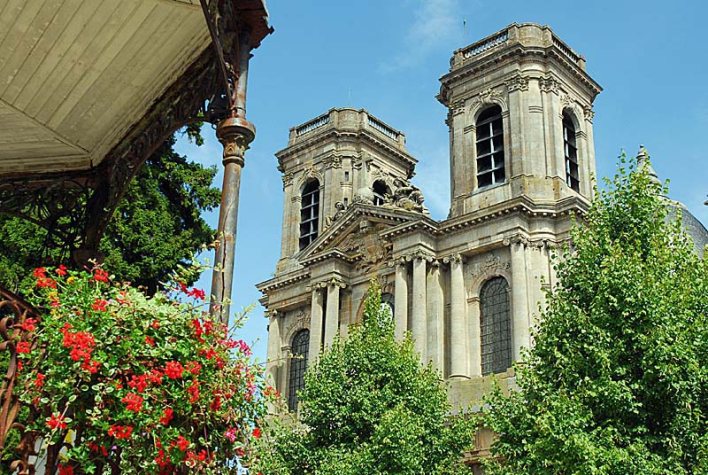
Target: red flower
x: 257, y: 433
x: 149, y: 341
x: 39, y: 272
x: 99, y: 304
x: 29, y: 325
x: 56, y: 422
x: 39, y: 382
x: 193, y: 391
x: 23, y: 347
x: 120, y: 432
x: 182, y: 443
x: 194, y: 367
x: 197, y: 293
x: 174, y: 370
x: 139, y: 383
x: 45, y: 282
x: 216, y: 404
x: 100, y: 275
x: 66, y: 470
x: 61, y: 270
x: 155, y: 324
x: 155, y: 376
x: 133, y: 402
x: 91, y: 366
x: 167, y: 416
x: 56, y: 303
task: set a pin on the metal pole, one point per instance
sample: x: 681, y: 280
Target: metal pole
x: 234, y: 133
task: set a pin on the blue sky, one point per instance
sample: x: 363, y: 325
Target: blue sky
x: 387, y: 55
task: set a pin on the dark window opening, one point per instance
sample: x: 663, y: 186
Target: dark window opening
x: 298, y: 365
x: 495, y: 322
x: 490, y: 147
x: 380, y: 191
x: 309, y: 213
x: 571, y: 154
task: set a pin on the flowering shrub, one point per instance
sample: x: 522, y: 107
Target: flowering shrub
x: 134, y: 385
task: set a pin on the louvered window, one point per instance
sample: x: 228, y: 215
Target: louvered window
x: 309, y: 213
x: 571, y: 154
x: 490, y: 148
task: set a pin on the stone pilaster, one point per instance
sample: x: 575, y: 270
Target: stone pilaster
x: 401, y: 299
x: 316, y: 324
x: 475, y: 332
x: 458, y: 320
x: 519, y: 297
x: 419, y: 305
x: 436, y: 316
x: 332, y: 317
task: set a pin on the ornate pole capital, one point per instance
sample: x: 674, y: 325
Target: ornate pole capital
x: 235, y: 134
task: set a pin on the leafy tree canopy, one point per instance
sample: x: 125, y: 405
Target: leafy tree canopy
x: 617, y: 381
x: 370, y: 407
x: 156, y: 227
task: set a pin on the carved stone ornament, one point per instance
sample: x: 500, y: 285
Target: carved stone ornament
x: 287, y: 178
x: 493, y: 265
x: 516, y: 239
x: 457, y: 108
x: 406, y: 196
x: 588, y: 113
x: 489, y: 96
x: 341, y: 209
x: 373, y: 250
x: 332, y: 161
x: 548, y: 84
x: 566, y: 101
x: 518, y: 83
x: 452, y: 258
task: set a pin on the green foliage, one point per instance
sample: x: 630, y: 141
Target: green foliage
x: 156, y: 227
x: 617, y: 382
x: 370, y: 407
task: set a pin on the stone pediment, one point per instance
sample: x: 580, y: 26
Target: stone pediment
x: 356, y: 236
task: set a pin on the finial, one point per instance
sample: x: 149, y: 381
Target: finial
x: 644, y: 164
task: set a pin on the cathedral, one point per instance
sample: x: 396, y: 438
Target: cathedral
x: 468, y: 288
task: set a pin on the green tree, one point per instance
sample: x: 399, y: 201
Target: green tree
x: 369, y: 407
x: 617, y: 382
x: 157, y: 226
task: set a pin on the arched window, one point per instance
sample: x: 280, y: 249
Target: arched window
x: 571, y: 153
x: 490, y: 147
x: 309, y: 213
x: 298, y: 366
x: 495, y: 320
x: 388, y: 300
x: 380, y: 191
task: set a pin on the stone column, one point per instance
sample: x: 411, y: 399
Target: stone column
x: 401, y: 300
x: 287, y: 223
x: 332, y: 317
x: 418, y: 323
x: 475, y: 332
x: 519, y: 298
x: 273, y: 360
x: 435, y: 346
x: 315, y: 325
x: 458, y: 321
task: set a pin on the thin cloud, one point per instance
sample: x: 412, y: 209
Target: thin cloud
x: 436, y: 23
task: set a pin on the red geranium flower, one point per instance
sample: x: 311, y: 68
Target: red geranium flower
x: 167, y: 416
x: 120, y: 432
x: 133, y: 402
x: 99, y: 304
x: 23, y: 347
x: 29, y: 325
x: 39, y: 382
x: 61, y: 270
x: 66, y: 470
x: 149, y: 341
x: 56, y: 422
x: 257, y: 433
x: 174, y: 370
x: 100, y: 275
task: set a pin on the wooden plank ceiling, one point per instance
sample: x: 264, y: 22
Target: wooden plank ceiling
x: 76, y: 74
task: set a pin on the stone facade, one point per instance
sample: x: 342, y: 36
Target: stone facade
x: 371, y: 222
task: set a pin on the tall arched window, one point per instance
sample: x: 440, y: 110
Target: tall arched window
x: 490, y: 147
x: 380, y: 191
x: 571, y: 153
x: 298, y: 366
x: 309, y: 213
x: 495, y: 320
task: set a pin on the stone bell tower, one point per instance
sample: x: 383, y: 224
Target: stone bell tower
x: 520, y: 118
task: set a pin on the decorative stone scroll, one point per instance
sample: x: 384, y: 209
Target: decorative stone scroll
x: 518, y: 83
x: 493, y: 265
x: 323, y: 284
x: 548, y: 84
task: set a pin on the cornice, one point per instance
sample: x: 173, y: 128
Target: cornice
x: 282, y: 281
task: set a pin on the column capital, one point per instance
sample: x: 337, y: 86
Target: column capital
x: 272, y: 313
x: 453, y: 258
x: 325, y: 283
x: 516, y: 239
x: 419, y: 255
x: 235, y: 134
